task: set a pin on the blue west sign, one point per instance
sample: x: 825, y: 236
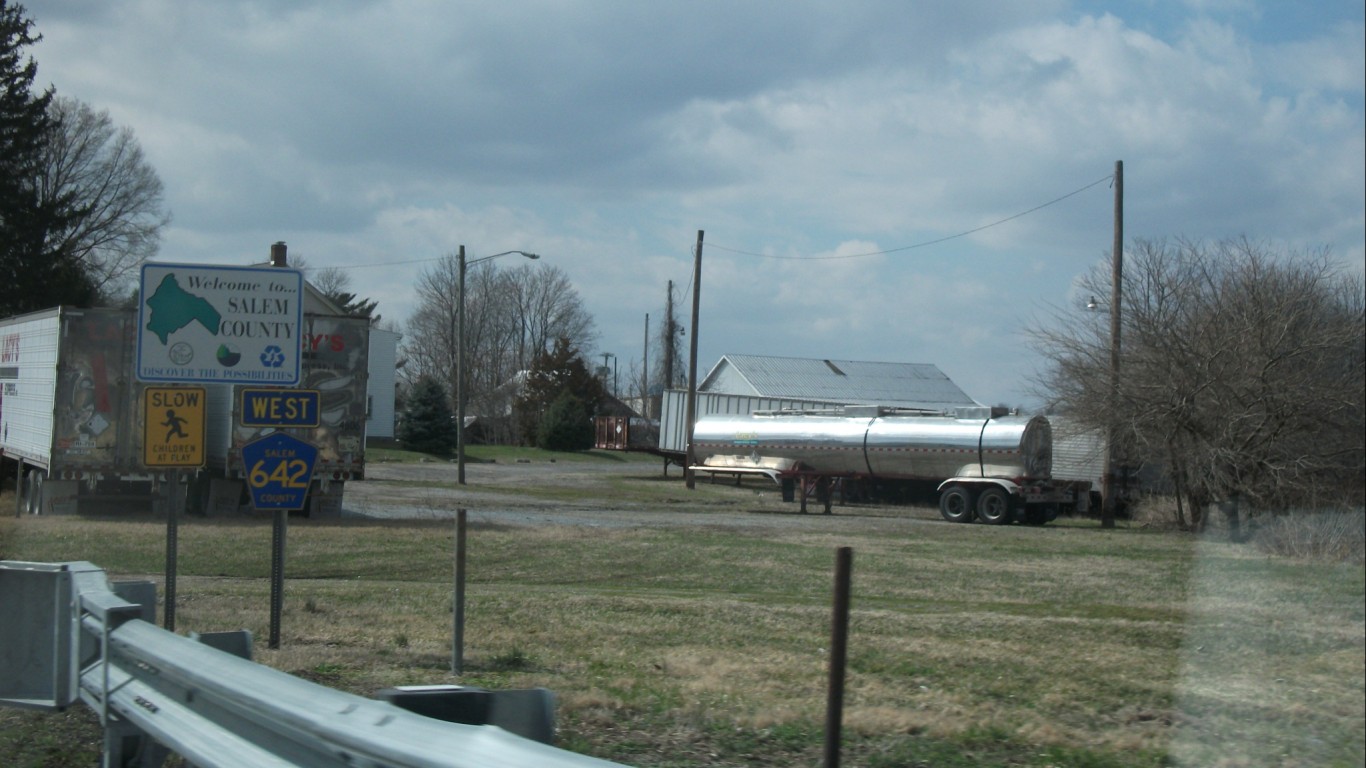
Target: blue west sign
x: 279, y: 407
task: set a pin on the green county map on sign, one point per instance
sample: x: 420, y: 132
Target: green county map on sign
x: 218, y: 324
x: 173, y: 308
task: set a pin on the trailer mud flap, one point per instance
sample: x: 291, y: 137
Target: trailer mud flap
x: 224, y: 497
x: 58, y: 497
x: 325, y: 500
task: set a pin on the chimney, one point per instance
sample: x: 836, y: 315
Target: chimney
x: 277, y: 255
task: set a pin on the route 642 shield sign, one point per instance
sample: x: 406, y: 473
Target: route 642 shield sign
x: 279, y: 468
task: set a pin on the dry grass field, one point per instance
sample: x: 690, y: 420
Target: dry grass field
x: 690, y: 628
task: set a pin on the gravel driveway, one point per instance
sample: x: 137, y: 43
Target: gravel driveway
x: 587, y: 494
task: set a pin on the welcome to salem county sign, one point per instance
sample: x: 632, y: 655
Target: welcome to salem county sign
x: 217, y: 324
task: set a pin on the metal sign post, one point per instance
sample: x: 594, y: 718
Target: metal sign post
x: 174, y: 502
x: 173, y: 436
x: 279, y: 469
x: 277, y: 574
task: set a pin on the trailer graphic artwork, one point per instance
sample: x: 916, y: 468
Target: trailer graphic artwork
x: 90, y: 386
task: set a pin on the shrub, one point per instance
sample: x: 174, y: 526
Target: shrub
x: 427, y: 425
x: 1338, y: 535
x: 566, y: 426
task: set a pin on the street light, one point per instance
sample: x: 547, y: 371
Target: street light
x: 612, y: 370
x: 460, y: 360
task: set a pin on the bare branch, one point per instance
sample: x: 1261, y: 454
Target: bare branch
x: 1242, y: 367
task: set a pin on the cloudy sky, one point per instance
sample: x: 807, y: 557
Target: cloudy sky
x: 849, y: 162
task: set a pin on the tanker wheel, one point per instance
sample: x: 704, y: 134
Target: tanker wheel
x: 955, y: 504
x: 993, y: 506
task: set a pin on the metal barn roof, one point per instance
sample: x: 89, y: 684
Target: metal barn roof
x: 907, y: 385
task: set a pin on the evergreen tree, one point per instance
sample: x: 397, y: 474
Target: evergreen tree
x: 566, y: 426
x: 30, y: 277
x: 428, y: 425
x: 352, y: 305
x: 553, y: 373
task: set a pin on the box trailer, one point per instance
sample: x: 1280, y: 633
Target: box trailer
x: 69, y: 405
x: 71, y: 413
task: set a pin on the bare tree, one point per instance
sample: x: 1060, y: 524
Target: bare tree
x: 329, y: 281
x: 493, y: 337
x: 548, y: 308
x: 511, y: 315
x: 429, y: 336
x: 335, y: 284
x: 100, y: 172
x: 1242, y: 373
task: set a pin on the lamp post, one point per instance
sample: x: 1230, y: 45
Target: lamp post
x: 612, y: 370
x: 460, y: 360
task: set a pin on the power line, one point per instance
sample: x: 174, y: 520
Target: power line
x: 916, y: 245
x: 396, y: 263
x: 805, y: 258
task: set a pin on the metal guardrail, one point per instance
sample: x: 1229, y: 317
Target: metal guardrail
x: 68, y: 634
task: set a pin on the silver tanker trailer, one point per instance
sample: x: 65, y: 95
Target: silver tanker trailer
x: 983, y: 463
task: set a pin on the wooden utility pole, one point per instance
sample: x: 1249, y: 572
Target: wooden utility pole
x: 670, y: 333
x: 692, y: 361
x: 1108, y: 495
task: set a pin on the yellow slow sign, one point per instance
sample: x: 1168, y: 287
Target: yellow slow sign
x: 173, y: 426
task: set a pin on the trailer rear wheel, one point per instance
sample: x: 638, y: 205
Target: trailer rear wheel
x: 993, y: 506
x: 955, y: 504
x: 33, y: 491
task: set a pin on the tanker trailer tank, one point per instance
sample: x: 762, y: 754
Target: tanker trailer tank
x: 984, y: 465
x: 943, y: 447
x: 829, y: 445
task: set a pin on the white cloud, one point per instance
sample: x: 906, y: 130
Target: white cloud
x: 605, y: 135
